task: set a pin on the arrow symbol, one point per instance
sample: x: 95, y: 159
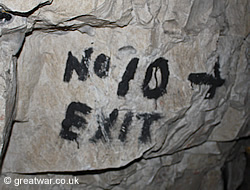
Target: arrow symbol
x: 208, y: 79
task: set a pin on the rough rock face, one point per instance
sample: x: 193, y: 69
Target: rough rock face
x: 11, y: 40
x: 122, y: 94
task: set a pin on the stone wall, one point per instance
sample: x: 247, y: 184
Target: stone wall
x: 123, y: 94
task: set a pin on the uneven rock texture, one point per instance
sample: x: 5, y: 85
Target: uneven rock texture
x: 12, y: 36
x: 137, y: 94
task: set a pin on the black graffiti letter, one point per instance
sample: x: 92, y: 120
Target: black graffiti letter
x: 208, y: 79
x: 148, y: 120
x: 101, y: 66
x: 80, y: 68
x: 124, y: 128
x: 216, y: 82
x: 158, y: 91
x: 74, y: 118
x: 105, y: 124
x: 123, y: 86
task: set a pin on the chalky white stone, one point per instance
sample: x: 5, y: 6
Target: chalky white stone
x: 68, y: 113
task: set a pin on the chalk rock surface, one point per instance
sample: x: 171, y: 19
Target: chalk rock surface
x: 125, y: 94
x: 12, y: 35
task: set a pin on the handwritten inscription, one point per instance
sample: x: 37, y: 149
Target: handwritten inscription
x: 158, y: 91
x: 148, y: 120
x: 74, y: 118
x: 105, y: 125
x: 101, y: 69
x: 101, y: 65
x: 208, y: 79
x: 128, y: 75
x: 76, y: 111
x: 82, y: 69
x: 125, y: 126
